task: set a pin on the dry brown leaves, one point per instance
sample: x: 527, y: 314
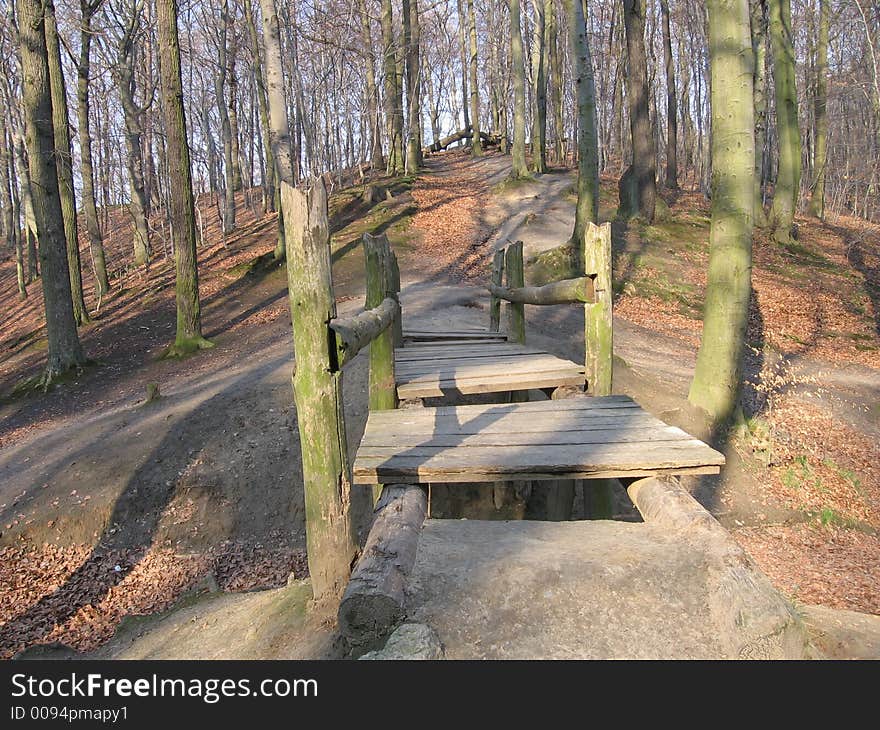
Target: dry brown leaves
x: 450, y: 206
x: 819, y: 565
x: 77, y: 597
x: 820, y: 463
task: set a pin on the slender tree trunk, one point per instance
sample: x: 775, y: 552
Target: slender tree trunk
x: 587, y: 209
x: 225, y: 126
x: 131, y: 116
x: 671, y: 102
x: 377, y: 161
x: 556, y: 97
x: 64, y: 162
x: 181, y: 204
x: 413, y: 39
x: 788, y: 178
x: 96, y: 244
x: 233, y: 120
x: 27, y: 200
x: 820, y: 151
x: 279, y: 136
x: 65, y: 351
x: 269, y: 156
x: 643, y: 172
x: 463, y: 52
x: 9, y: 205
x: 717, y: 379
x: 393, y: 110
x: 539, y: 73
x: 476, y: 142
x: 520, y: 168
x: 759, y: 49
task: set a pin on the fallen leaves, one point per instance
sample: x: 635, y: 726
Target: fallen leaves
x: 76, y: 596
x: 818, y: 565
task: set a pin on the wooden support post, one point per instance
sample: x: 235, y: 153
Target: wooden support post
x: 394, y: 293
x: 495, y: 306
x: 383, y: 390
x: 598, y: 327
x: 375, y: 599
x: 514, y: 275
x: 317, y: 389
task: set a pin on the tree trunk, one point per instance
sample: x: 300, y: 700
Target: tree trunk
x: 65, y: 351
x: 317, y: 386
x: 412, y: 45
x: 96, y: 245
x: 671, y: 103
x: 225, y: 126
x: 644, y: 163
x: 64, y: 162
x: 462, y: 43
x: 377, y: 162
x: 132, y: 115
x: 393, y: 111
x: 759, y: 49
x: 717, y: 378
x: 587, y: 209
x: 556, y: 98
x: 269, y: 156
x: 181, y: 204
x: 539, y: 73
x: 233, y: 121
x: 817, y: 198
x: 27, y: 200
x: 9, y: 206
x: 476, y: 143
x: 788, y: 178
x: 520, y: 168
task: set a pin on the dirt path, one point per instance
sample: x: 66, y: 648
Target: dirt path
x: 204, y: 485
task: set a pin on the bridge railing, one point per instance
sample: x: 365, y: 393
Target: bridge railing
x: 378, y: 326
x: 593, y: 290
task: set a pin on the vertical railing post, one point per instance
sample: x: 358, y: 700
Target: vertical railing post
x: 599, y: 349
x: 317, y: 389
x: 394, y: 292
x: 380, y: 278
x: 515, y: 278
x: 598, y: 323
x: 497, y: 280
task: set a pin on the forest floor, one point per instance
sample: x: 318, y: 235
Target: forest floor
x: 111, y: 507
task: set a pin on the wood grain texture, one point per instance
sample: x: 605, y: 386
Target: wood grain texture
x: 576, y: 439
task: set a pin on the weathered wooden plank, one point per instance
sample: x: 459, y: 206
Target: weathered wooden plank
x: 414, y: 354
x: 511, y: 366
x: 613, y: 402
x: 436, y: 389
x: 453, y: 335
x: 373, y: 476
x: 506, y: 425
x: 612, y: 434
x: 687, y: 452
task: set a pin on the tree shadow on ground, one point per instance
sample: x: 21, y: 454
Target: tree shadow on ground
x: 135, y: 523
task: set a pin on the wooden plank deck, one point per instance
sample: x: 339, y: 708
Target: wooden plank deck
x: 582, y: 438
x: 478, y: 365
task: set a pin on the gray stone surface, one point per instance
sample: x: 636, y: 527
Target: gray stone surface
x: 677, y: 588
x: 409, y: 641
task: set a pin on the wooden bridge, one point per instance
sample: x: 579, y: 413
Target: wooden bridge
x: 577, y: 430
